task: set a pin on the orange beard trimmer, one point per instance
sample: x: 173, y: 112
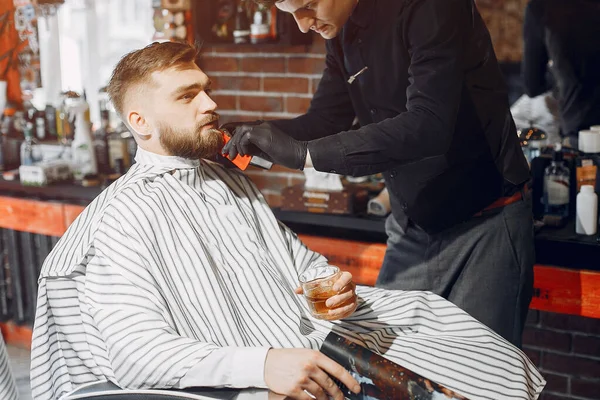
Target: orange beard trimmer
x: 242, y: 162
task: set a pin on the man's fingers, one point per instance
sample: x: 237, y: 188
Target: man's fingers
x: 342, y: 310
x: 338, y: 372
x: 245, y: 146
x: 316, y: 390
x: 343, y: 281
x: 299, y: 290
x: 327, y: 385
x: 339, y: 299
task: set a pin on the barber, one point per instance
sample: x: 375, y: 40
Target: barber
x: 422, y: 78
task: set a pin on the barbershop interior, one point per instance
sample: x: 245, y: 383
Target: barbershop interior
x: 174, y: 223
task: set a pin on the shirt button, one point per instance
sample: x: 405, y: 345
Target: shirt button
x: 404, y: 206
x: 359, y: 41
x: 373, y: 111
x: 333, y: 171
x: 393, y: 174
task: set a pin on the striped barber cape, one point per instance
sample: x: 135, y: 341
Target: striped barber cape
x: 179, y: 275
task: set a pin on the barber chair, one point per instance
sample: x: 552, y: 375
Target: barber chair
x: 104, y: 390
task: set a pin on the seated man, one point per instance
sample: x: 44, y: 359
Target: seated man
x: 178, y: 275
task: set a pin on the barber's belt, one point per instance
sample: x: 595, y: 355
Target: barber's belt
x: 505, y: 201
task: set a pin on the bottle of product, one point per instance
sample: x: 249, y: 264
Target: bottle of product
x: 82, y: 146
x: 101, y: 144
x: 27, y: 146
x: 241, y: 31
x: 556, y: 186
x: 587, y: 211
x: 117, y: 147
x: 260, y: 29
x: 39, y: 119
x: 50, y: 117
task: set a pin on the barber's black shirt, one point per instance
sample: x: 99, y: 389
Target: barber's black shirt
x: 568, y: 33
x: 432, y: 106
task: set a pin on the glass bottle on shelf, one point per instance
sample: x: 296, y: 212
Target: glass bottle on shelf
x: 27, y: 152
x: 557, y: 179
x: 241, y: 32
x: 260, y: 29
x: 101, y: 143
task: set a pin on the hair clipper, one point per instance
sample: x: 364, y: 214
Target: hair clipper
x: 242, y: 162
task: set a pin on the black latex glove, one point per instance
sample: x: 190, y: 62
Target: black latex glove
x: 231, y: 126
x: 266, y: 138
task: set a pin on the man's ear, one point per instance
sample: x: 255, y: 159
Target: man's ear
x: 139, y: 124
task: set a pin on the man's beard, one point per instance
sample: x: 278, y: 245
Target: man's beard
x: 193, y: 143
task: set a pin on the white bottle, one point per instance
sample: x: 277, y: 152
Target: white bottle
x: 82, y: 147
x: 587, y: 211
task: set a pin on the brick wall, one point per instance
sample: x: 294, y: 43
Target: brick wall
x: 566, y: 349
x: 267, y: 82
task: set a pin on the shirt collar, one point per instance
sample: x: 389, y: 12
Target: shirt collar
x: 148, y: 158
x: 363, y: 13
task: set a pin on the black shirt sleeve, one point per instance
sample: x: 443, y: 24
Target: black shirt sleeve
x: 330, y: 109
x: 535, y: 54
x: 433, y: 32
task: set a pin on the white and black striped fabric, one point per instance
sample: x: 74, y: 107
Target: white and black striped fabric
x: 8, y: 387
x: 181, y: 259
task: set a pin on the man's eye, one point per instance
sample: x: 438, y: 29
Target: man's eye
x: 187, y: 96
x: 208, y: 91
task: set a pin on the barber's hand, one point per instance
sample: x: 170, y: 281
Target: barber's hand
x: 231, y: 126
x: 345, y: 301
x: 266, y: 138
x: 292, y: 371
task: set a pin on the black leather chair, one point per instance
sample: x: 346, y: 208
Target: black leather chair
x: 103, y: 390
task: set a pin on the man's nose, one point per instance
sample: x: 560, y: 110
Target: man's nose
x: 304, y: 22
x: 206, y: 104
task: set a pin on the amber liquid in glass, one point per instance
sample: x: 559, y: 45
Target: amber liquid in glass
x: 316, y: 303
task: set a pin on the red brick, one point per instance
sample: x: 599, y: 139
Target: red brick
x: 236, y: 118
x: 318, y: 45
x: 586, y: 345
x: 224, y: 101
x: 556, y: 383
x: 235, y: 83
x: 263, y: 64
x: 286, y: 85
x: 571, y: 365
x: 261, y: 103
x: 266, y: 181
x: 534, y: 355
x: 585, y: 388
x: 297, y: 105
x: 572, y: 323
x: 218, y: 64
x: 315, y: 84
x: 274, y: 199
x: 534, y: 337
x: 306, y: 65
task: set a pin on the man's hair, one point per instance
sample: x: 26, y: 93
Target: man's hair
x: 136, y: 67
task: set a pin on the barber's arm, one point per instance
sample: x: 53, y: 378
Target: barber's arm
x: 535, y: 54
x: 433, y: 97
x: 330, y: 110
